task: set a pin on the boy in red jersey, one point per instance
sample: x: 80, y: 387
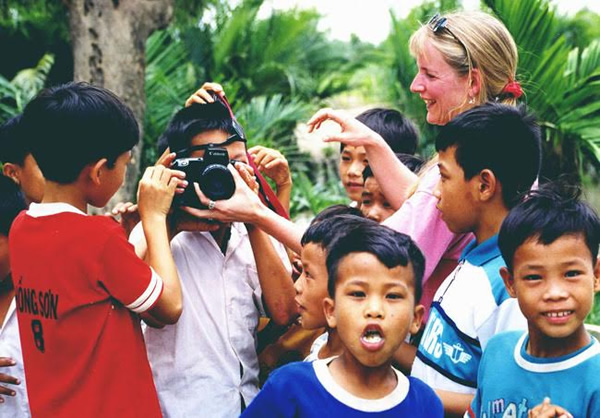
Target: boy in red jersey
x: 78, y: 283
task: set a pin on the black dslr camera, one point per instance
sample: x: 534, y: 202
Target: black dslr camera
x: 211, y: 174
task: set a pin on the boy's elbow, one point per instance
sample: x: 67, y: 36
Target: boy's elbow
x: 283, y: 315
x: 173, y: 314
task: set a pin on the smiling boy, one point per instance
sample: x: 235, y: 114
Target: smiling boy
x: 550, y: 244
x: 374, y: 282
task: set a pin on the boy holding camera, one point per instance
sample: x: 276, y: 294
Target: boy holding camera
x: 78, y: 283
x: 231, y: 274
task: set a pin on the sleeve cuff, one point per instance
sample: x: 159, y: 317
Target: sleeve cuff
x: 149, y: 297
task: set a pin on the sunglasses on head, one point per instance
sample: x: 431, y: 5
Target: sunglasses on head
x: 438, y: 23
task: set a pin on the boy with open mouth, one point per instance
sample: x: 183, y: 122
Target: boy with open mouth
x: 374, y: 286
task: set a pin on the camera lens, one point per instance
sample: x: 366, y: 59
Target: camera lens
x: 217, y: 182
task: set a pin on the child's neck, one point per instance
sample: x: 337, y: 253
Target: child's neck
x: 65, y: 193
x: 361, y: 381
x: 490, y: 222
x: 543, y: 346
x: 333, y: 347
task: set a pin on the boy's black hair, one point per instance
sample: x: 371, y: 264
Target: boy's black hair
x: 326, y: 230
x: 545, y: 215
x: 412, y: 162
x: 12, y: 201
x: 504, y: 139
x: 334, y: 210
x: 193, y: 120
x: 391, y: 248
x: 13, y: 148
x: 75, y: 124
x: 396, y: 129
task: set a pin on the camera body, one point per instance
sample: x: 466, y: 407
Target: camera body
x: 211, y: 174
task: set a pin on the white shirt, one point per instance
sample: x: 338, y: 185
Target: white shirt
x: 207, y: 362
x: 10, y: 346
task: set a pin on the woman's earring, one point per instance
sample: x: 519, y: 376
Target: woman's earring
x: 471, y: 100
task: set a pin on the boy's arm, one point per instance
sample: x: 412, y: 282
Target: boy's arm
x: 455, y: 404
x: 155, y: 193
x: 274, y: 165
x: 275, y: 280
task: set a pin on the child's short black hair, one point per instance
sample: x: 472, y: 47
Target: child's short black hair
x: 504, y: 139
x: 546, y: 215
x: 326, y: 230
x: 412, y: 162
x: 12, y: 202
x: 193, y: 120
x: 390, y: 247
x: 397, y: 130
x: 13, y: 148
x: 74, y: 124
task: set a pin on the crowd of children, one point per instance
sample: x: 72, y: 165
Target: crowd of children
x: 164, y: 322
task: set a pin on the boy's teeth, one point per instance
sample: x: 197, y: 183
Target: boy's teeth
x: 558, y: 314
x: 372, y: 337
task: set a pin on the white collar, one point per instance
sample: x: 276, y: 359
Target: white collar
x: 366, y: 405
x: 37, y: 210
x: 558, y: 364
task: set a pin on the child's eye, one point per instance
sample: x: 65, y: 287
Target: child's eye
x: 573, y: 273
x: 345, y: 158
x: 366, y: 202
x: 387, y: 205
x: 394, y: 296
x: 357, y: 294
x: 532, y: 277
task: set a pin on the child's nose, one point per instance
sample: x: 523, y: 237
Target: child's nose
x: 555, y: 291
x: 356, y: 169
x: 374, y: 308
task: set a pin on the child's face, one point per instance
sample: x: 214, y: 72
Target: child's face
x: 311, y: 287
x: 374, y: 205
x: 29, y: 177
x: 353, y: 161
x: 374, y: 308
x: 456, y: 195
x: 555, y: 286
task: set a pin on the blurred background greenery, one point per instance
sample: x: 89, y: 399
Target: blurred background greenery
x: 279, y: 69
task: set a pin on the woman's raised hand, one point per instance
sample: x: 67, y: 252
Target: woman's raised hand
x: 354, y: 133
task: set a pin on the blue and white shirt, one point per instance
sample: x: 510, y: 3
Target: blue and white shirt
x: 511, y: 382
x: 304, y: 390
x: 469, y: 307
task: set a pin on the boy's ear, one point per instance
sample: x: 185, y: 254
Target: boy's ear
x: 509, y: 281
x: 417, y: 319
x: 11, y: 170
x: 96, y: 170
x: 487, y: 184
x: 329, y: 310
x: 597, y: 276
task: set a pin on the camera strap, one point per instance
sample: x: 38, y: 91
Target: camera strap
x: 266, y: 194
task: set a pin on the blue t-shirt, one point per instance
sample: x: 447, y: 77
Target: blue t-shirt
x: 308, y: 390
x: 511, y: 382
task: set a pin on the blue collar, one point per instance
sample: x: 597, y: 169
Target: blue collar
x: 478, y: 255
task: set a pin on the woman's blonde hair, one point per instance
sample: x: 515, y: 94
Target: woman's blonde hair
x: 475, y: 40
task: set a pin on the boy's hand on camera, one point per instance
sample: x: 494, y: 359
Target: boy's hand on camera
x: 546, y: 410
x: 165, y: 160
x: 272, y: 164
x: 241, y: 207
x: 247, y: 174
x: 156, y: 190
x: 7, y: 379
x: 203, y: 96
x: 354, y: 133
x: 126, y: 213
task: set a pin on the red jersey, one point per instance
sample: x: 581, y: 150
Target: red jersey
x: 78, y: 283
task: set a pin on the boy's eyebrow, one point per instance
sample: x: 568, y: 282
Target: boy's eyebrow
x: 366, y: 193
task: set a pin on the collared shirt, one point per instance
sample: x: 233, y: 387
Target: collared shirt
x: 207, y: 363
x: 10, y: 346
